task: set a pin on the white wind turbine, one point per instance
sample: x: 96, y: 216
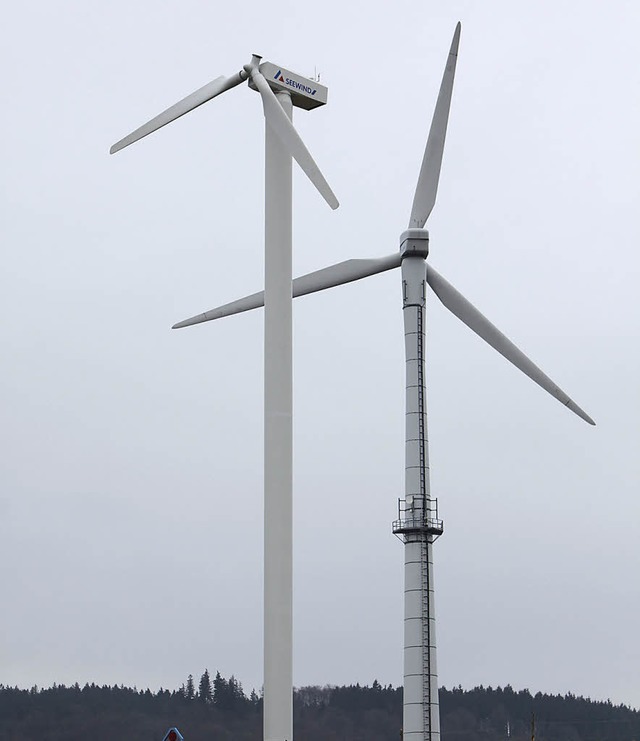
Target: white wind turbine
x: 282, y: 143
x: 418, y: 524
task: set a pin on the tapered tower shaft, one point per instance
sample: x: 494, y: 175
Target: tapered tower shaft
x: 418, y: 525
x: 278, y: 475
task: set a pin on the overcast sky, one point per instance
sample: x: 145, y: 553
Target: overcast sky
x: 131, y: 472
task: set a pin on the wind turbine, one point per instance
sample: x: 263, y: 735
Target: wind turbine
x: 280, y: 90
x: 418, y: 524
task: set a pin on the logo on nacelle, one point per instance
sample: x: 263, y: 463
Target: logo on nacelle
x: 305, y: 92
x: 294, y: 83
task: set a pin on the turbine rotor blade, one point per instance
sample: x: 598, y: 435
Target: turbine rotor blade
x: 255, y: 301
x: 336, y: 275
x: 427, y: 187
x: 469, y: 315
x: 344, y: 272
x: 196, y: 99
x: 284, y: 129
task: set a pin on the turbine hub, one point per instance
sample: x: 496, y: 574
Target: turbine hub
x: 414, y: 243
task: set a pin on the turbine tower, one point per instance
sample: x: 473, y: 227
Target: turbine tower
x: 418, y: 524
x: 280, y: 91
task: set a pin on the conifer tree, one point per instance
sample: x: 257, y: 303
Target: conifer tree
x: 205, y: 691
x: 190, y: 690
x: 220, y: 691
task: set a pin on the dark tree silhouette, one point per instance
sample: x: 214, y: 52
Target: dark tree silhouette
x: 190, y: 690
x: 354, y: 712
x: 205, y: 691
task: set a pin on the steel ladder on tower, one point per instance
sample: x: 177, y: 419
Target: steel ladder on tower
x: 424, y: 537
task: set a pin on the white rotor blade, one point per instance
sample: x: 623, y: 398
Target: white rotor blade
x: 469, y: 315
x: 204, y: 94
x: 344, y: 272
x: 284, y: 129
x: 336, y: 275
x: 235, y: 307
x: 427, y: 188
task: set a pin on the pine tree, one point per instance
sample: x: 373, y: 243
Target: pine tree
x: 205, y: 691
x: 190, y: 690
x: 220, y: 692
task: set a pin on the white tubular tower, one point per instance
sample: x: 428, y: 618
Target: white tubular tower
x: 278, y: 474
x: 417, y: 525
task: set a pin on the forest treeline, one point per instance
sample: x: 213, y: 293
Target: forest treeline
x: 218, y: 709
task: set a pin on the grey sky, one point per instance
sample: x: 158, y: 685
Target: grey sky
x: 130, y: 497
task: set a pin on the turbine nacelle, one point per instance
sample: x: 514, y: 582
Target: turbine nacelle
x: 414, y: 243
x: 305, y: 93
